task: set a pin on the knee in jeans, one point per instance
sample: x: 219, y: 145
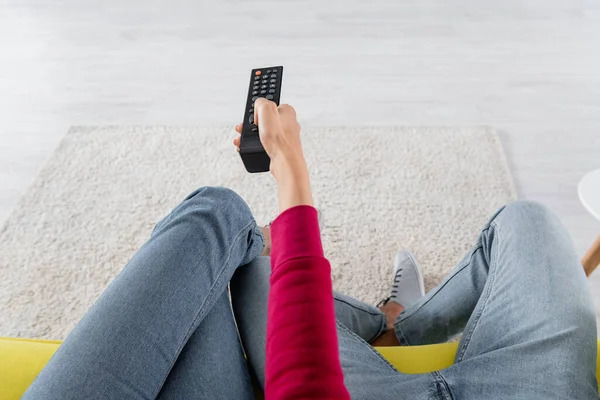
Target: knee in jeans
x: 217, y: 199
x: 220, y: 194
x: 208, y: 206
x: 529, y: 215
x: 538, y: 230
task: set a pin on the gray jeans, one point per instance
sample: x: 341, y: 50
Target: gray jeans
x: 165, y: 327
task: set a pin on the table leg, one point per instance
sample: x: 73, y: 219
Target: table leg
x: 592, y: 258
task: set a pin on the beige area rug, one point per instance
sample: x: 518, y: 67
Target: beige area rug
x: 380, y: 189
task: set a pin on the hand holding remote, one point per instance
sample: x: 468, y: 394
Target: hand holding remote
x: 280, y: 136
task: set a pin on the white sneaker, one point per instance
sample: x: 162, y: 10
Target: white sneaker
x: 408, y: 285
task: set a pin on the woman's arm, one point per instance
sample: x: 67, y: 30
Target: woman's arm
x: 302, y: 348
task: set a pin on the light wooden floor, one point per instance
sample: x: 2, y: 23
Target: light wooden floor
x: 531, y: 69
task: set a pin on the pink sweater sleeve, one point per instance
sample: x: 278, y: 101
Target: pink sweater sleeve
x: 302, y: 347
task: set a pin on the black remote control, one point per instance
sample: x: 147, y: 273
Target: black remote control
x: 264, y: 82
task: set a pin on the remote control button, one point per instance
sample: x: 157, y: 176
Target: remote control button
x: 272, y: 85
x: 263, y: 92
x: 256, y: 78
x: 271, y: 90
x: 263, y: 86
x: 255, y: 129
x: 255, y: 93
x: 251, y: 110
x: 268, y: 71
x: 251, y: 119
x: 257, y: 73
x: 254, y: 98
x: 273, y: 76
x: 273, y: 81
x: 254, y: 87
x: 269, y: 97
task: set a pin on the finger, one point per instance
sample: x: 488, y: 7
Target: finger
x: 266, y: 116
x: 236, y: 142
x: 286, y: 109
x: 238, y: 128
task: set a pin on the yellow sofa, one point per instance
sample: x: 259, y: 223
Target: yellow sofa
x: 22, y: 359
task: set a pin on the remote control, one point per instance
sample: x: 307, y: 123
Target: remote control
x: 264, y: 82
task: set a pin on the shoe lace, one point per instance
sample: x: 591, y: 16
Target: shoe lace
x: 394, y: 288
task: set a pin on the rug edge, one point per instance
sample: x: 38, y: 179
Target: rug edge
x: 87, y: 129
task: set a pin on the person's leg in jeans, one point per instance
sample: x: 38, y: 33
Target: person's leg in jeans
x: 367, y: 375
x: 211, y: 364
x: 164, y: 327
x: 522, y: 295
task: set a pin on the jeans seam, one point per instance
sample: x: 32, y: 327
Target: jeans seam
x: 446, y: 393
x: 398, y: 331
x: 260, y: 235
x: 358, y: 308
x: 490, y: 283
x: 375, y: 352
x: 203, y: 305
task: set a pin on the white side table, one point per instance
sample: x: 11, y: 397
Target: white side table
x: 589, y: 194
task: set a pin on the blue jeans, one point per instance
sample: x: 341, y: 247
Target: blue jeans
x: 165, y: 328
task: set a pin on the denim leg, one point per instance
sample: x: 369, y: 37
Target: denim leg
x: 127, y: 343
x: 249, y: 289
x: 445, y: 310
x: 367, y: 375
x: 522, y: 294
x: 364, y: 320
x: 211, y: 364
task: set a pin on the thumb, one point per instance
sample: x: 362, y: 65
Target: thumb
x: 266, y: 116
